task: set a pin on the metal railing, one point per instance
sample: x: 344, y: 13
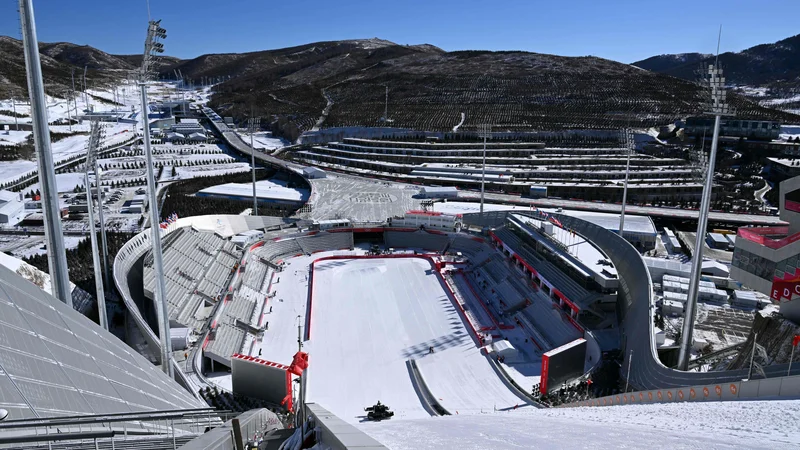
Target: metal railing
x: 111, y: 430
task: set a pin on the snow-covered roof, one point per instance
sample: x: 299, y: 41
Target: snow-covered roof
x: 438, y: 189
x: 175, y: 136
x: 196, y: 136
x: 264, y: 189
x: 8, y: 196
x: 189, y: 121
x: 312, y: 170
x: 633, y: 224
x: 718, y: 237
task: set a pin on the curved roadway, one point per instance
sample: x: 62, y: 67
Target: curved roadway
x: 647, y: 371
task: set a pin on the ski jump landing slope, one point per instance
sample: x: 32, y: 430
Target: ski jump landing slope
x: 370, y: 316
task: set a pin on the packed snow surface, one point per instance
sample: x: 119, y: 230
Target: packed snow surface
x: 371, y: 316
x: 713, y: 425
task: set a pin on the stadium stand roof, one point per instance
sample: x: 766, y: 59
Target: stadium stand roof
x: 55, y: 362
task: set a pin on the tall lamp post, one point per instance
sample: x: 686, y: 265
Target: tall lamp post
x: 53, y: 231
x: 718, y: 107
x: 484, y: 131
x: 152, y: 47
x: 254, y: 123
x: 628, y: 141
x: 95, y: 135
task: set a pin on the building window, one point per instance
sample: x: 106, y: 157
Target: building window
x: 754, y: 264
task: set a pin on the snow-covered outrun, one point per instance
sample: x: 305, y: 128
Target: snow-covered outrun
x: 713, y: 425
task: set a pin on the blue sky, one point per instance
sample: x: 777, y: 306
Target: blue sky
x: 623, y: 30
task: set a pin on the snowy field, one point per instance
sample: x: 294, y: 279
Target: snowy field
x: 724, y: 425
x: 368, y: 318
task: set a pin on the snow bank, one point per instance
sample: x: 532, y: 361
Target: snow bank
x: 764, y: 425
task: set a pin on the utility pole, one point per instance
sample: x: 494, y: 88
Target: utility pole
x: 718, y: 107
x: 97, y: 174
x: 92, y: 144
x: 386, y: 106
x: 254, y: 123
x: 57, y: 255
x: 627, y: 139
x: 85, y: 94
x: 74, y: 98
x: 152, y: 46
x: 485, y: 130
x: 69, y: 115
x: 14, y: 108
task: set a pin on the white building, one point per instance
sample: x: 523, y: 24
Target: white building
x: 427, y: 219
x: 188, y: 126
x: 439, y: 192
x: 173, y: 137
x: 12, y: 208
x: 196, y: 137
x: 671, y: 307
x: 313, y: 172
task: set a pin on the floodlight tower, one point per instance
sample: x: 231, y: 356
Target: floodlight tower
x: 85, y: 94
x: 98, y: 183
x: 14, y: 108
x: 386, y: 105
x: 485, y: 132
x: 718, y: 107
x: 57, y: 255
x: 74, y: 98
x: 91, y: 148
x: 254, y: 123
x: 152, y: 47
x: 627, y: 139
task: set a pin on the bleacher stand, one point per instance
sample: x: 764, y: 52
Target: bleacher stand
x: 326, y: 241
x: 194, y: 262
x: 255, y: 273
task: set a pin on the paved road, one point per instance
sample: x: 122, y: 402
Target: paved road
x: 673, y: 213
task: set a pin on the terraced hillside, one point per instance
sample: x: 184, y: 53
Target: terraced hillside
x: 429, y: 89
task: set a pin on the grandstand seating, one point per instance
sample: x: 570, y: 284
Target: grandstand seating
x: 467, y: 246
x: 276, y: 250
x: 193, y: 262
x: 569, y: 287
x: 417, y: 239
x: 254, y: 274
x: 325, y: 241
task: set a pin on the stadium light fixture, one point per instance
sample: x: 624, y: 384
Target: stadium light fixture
x: 627, y: 139
x: 95, y: 135
x: 152, y: 47
x: 253, y: 122
x: 717, y: 107
x: 57, y: 255
x: 3, y: 414
x: 485, y: 132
